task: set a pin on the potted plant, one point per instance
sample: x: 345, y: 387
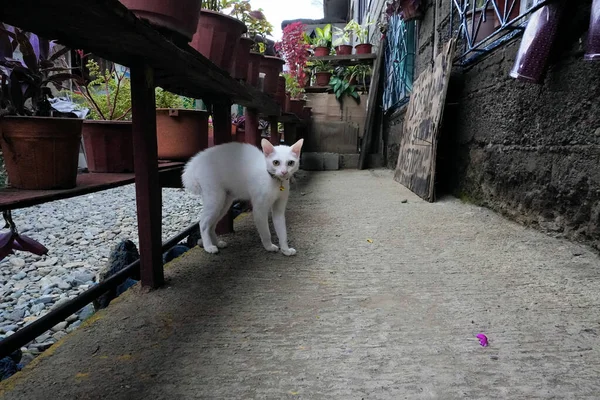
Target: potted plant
x: 294, y: 47
x: 107, y: 135
x: 357, y: 75
x: 181, y: 18
x: 241, y: 10
x: 362, y: 35
x: 217, y: 35
x: 40, y: 152
x: 258, y: 29
x: 323, y: 71
x: 342, y: 41
x: 342, y: 89
x: 297, y: 100
x: 181, y: 131
x: 322, y: 41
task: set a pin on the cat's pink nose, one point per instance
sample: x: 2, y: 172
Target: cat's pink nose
x: 284, y: 173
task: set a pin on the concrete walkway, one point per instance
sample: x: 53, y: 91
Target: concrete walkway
x: 383, y: 301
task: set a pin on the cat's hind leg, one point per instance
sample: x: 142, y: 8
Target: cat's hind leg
x: 221, y: 244
x: 211, y: 209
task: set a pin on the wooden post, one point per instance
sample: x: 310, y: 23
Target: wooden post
x: 148, y: 193
x: 251, y: 127
x: 274, y: 131
x: 222, y: 134
x: 290, y: 133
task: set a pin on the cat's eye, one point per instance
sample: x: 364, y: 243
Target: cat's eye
x: 276, y: 163
x: 290, y: 163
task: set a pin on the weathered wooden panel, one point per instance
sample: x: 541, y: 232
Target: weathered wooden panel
x: 418, y: 147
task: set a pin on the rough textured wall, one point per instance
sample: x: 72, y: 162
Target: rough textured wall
x: 529, y: 151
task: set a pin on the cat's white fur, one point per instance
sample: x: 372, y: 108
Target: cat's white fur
x: 240, y: 171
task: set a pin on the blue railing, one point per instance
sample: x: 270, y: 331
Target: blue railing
x: 399, y: 62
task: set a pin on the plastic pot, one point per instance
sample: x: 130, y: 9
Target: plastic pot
x: 253, y: 68
x: 242, y: 58
x: 364, y: 48
x: 271, y: 67
x: 343, y: 50
x: 181, y: 133
x: 592, y: 48
x: 323, y: 78
x: 296, y: 106
x: 217, y: 37
x: 321, y: 51
x: 179, y: 16
x: 41, y: 153
x: 108, y: 146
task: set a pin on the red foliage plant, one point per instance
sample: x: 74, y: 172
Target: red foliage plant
x: 294, y: 50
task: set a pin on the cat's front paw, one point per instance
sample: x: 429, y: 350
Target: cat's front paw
x: 211, y: 249
x: 272, y: 248
x: 288, y: 252
x: 221, y: 244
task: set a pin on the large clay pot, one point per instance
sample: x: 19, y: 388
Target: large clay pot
x: 181, y: 133
x: 41, y: 153
x: 179, y: 16
x: 364, y: 48
x: 108, y: 146
x: 343, y: 50
x: 254, y: 68
x: 322, y: 78
x: 296, y: 106
x: 271, y: 67
x: 217, y: 37
x: 242, y: 58
x: 321, y: 51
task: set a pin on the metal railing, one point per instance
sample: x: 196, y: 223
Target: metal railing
x: 399, y: 62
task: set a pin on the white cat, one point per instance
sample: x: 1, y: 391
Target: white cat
x: 240, y: 171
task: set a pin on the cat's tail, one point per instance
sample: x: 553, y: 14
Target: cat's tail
x: 190, y: 180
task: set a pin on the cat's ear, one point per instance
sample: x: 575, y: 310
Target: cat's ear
x: 267, y: 147
x: 297, y: 147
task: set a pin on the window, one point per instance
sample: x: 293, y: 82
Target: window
x: 399, y: 62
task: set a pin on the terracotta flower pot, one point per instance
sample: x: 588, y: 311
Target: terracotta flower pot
x: 323, y: 78
x: 108, y: 146
x: 217, y: 37
x: 364, y: 48
x: 296, y: 106
x: 592, y: 48
x: 254, y: 68
x: 271, y: 67
x: 181, y: 133
x: 321, y: 51
x: 531, y: 62
x: 242, y: 58
x: 343, y: 50
x: 41, y: 153
x: 179, y: 16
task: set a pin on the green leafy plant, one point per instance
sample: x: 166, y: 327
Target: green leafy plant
x: 293, y: 87
x: 107, y: 95
x: 342, y: 36
x: 360, y: 31
x: 216, y: 5
x: 322, y: 36
x: 321, y: 66
x: 166, y: 99
x: 342, y: 88
x: 360, y: 72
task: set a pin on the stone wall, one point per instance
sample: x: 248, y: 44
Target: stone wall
x: 529, y: 151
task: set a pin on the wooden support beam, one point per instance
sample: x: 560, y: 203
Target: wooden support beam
x: 274, y: 131
x: 148, y: 193
x: 290, y: 133
x: 251, y: 127
x: 221, y: 116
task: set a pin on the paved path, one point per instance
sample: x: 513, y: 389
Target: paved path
x: 383, y: 301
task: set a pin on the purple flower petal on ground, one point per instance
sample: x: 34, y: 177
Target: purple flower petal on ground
x: 483, y: 340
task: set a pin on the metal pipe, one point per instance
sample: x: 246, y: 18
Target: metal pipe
x: 41, y: 325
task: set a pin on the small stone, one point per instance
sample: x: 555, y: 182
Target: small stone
x: 42, y: 338
x: 8, y: 328
x: 60, y: 326
x: 26, y: 358
x: 44, y: 300
x: 86, y: 312
x: 16, y: 315
x: 73, y: 326
x: 64, y: 285
x: 74, y: 264
x: 72, y: 318
x: 404, y: 201
x: 46, y: 263
x: 44, y: 346
x: 17, y: 262
x: 59, y: 335
x: 19, y: 276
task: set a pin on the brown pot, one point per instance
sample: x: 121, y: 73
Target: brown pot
x: 364, y: 48
x: 486, y: 28
x: 41, y: 153
x: 108, y: 146
x: 253, y: 68
x: 322, y: 78
x: 280, y: 94
x: 181, y: 133
x: 240, y: 64
x: 321, y: 51
x: 271, y: 67
x: 288, y: 103
x: 217, y: 37
x: 343, y: 50
x: 240, y: 136
x: 179, y: 16
x: 516, y: 10
x: 296, y: 106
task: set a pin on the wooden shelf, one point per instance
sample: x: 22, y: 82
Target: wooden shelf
x: 109, y: 30
x: 347, y: 59
x: 11, y: 199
